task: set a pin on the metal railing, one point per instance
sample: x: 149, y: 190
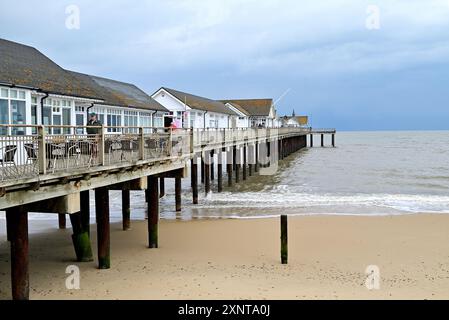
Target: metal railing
x: 31, y: 151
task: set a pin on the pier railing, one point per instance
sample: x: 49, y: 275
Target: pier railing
x: 30, y: 151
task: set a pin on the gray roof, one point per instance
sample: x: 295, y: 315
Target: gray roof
x: 200, y: 103
x: 25, y: 66
x: 118, y: 93
x: 254, y: 107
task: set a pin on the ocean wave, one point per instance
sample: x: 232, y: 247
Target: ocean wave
x: 290, y: 200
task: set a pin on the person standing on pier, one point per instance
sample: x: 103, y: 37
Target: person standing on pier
x: 93, y: 128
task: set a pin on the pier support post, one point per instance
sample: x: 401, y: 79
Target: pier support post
x: 18, y: 231
x: 80, y: 239
x: 250, y: 160
x: 322, y: 140
x: 178, y: 193
x: 161, y: 188
x: 256, y: 162
x: 284, y: 240
x: 212, y: 165
x: 244, y: 175
x: 62, y: 221
x: 220, y: 171
x: 8, y: 217
x: 103, y: 236
x: 333, y: 140
x: 229, y: 159
x: 194, y: 177
x: 202, y: 168
x: 237, y: 156
x: 126, y: 210
x: 85, y: 211
x: 311, y: 140
x: 153, y: 212
x: 207, y: 173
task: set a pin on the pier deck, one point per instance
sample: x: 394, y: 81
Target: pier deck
x: 54, y: 173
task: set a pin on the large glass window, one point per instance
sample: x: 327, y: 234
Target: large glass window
x: 80, y: 123
x: 114, y: 120
x: 4, y: 115
x: 18, y: 116
x: 158, y: 121
x: 66, y: 119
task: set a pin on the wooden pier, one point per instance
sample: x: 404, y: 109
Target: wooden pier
x: 67, y: 167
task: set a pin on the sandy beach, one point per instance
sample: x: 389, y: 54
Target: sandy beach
x: 239, y: 259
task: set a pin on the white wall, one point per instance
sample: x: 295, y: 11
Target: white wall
x: 169, y: 102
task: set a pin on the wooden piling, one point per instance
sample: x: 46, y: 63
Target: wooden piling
x: 229, y: 160
x: 207, y: 174
x: 322, y: 140
x: 194, y: 182
x: 202, y: 168
x: 103, y: 229
x: 220, y: 171
x: 333, y: 140
x: 178, y: 193
x: 153, y: 212
x: 126, y: 210
x: 8, y: 217
x: 212, y: 165
x: 85, y: 211
x: 18, y: 231
x: 62, y: 221
x: 161, y: 187
x: 284, y: 240
x: 256, y: 164
x: 244, y: 175
x: 311, y: 140
x: 80, y: 239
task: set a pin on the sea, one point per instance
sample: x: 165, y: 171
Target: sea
x: 367, y: 173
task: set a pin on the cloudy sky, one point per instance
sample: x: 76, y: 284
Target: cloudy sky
x: 391, y: 75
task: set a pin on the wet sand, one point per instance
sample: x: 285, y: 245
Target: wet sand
x: 240, y: 259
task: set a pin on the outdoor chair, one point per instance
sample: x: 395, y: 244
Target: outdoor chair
x: 8, y: 159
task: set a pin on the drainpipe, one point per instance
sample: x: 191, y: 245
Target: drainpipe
x: 204, y: 115
x: 152, y: 118
x: 42, y: 107
x: 88, y: 108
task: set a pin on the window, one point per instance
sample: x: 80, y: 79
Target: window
x: 158, y: 120
x: 18, y: 116
x: 79, y: 123
x: 145, y: 121
x: 131, y: 120
x: 192, y: 119
x: 114, y: 120
x: 4, y: 115
x: 4, y: 93
x: 12, y: 110
x: 66, y: 119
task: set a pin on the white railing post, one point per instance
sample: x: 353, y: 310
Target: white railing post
x: 101, y: 146
x: 42, y: 152
x: 141, y: 144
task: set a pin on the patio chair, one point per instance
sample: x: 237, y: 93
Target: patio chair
x: 8, y: 159
x: 31, y: 151
x: 56, y: 152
